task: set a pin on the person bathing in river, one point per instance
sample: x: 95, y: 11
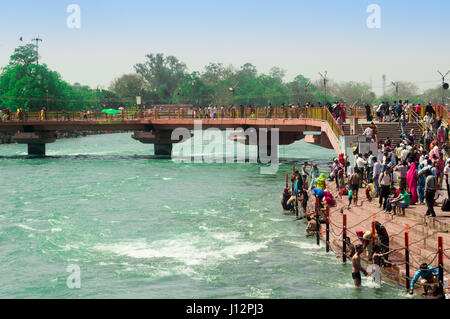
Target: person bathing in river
x: 379, y: 258
x: 356, y: 266
x: 312, y: 226
x: 285, y: 199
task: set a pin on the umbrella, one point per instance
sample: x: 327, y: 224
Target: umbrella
x: 111, y: 111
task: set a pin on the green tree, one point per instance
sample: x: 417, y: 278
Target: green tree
x: 301, y: 91
x: 163, y: 74
x: 434, y: 95
x: 24, y: 55
x: 354, y: 93
x: 31, y: 86
x: 128, y: 86
x: 194, y: 91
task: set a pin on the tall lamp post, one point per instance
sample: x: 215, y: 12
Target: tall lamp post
x: 444, y: 86
x: 396, y: 85
x: 37, y: 40
x: 325, y: 79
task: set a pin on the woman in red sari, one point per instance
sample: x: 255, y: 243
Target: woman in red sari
x: 343, y: 112
x: 412, y: 178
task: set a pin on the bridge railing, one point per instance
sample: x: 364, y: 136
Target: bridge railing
x: 316, y: 113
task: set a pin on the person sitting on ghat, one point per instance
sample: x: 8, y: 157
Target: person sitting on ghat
x: 402, y: 201
x: 356, y: 266
x: 429, y: 279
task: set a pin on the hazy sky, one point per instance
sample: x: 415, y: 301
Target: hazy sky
x: 302, y: 37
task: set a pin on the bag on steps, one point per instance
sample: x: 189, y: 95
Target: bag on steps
x: 446, y: 205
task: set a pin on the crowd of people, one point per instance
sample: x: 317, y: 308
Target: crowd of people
x: 414, y: 171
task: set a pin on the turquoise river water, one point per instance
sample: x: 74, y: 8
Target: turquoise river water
x: 139, y: 227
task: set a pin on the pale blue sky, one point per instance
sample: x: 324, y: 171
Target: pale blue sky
x: 303, y: 37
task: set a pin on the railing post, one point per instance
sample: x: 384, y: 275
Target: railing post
x: 317, y: 204
x: 317, y: 228
x: 441, y: 265
x: 373, y: 231
x: 407, y: 256
x: 327, y: 238
x: 344, y: 238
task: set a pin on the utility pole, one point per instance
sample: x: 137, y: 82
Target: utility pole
x: 396, y: 85
x: 37, y: 40
x: 325, y: 79
x: 384, y: 84
x: 444, y: 86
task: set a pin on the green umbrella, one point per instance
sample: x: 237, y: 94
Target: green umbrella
x: 111, y: 111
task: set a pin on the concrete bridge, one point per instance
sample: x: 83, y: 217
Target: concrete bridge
x: 36, y: 130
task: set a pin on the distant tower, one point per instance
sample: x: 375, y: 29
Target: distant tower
x: 384, y: 84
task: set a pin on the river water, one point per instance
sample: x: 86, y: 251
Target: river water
x: 139, y: 227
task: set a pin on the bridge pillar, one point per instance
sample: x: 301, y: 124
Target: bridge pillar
x: 163, y: 150
x: 35, y: 140
x: 162, y: 141
x: 36, y: 149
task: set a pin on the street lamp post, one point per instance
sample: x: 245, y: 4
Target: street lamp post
x: 444, y: 86
x: 37, y: 40
x: 324, y: 77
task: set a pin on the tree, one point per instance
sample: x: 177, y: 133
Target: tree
x: 128, y: 86
x: 24, y: 55
x: 301, y: 90
x: 163, y: 74
x: 277, y: 73
x: 406, y: 91
x: 214, y: 72
x: 353, y: 93
x: 435, y: 95
x: 194, y: 91
x: 30, y: 86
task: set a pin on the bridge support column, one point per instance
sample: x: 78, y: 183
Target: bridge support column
x: 35, y: 140
x: 36, y: 149
x: 162, y: 141
x: 164, y: 150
